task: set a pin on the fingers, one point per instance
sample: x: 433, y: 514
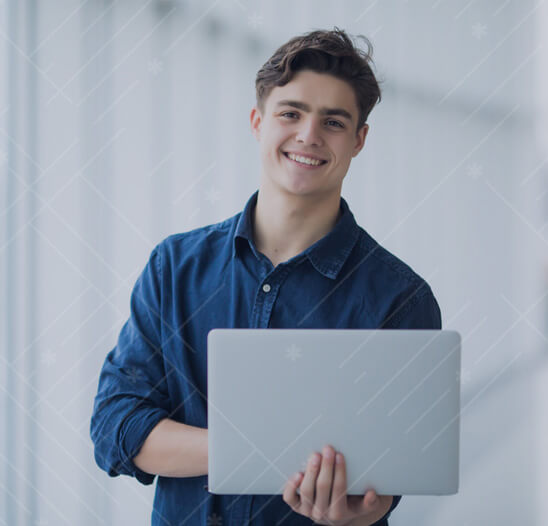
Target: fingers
x: 338, y: 494
x: 309, y: 483
x: 383, y: 504
x: 323, y: 491
x: 369, y: 503
x: 290, y: 494
x: 370, y: 498
x: 324, y: 482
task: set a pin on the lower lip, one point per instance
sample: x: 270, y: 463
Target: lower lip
x: 302, y: 165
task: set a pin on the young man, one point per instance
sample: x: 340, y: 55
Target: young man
x: 294, y: 258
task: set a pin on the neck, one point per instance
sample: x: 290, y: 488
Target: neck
x: 285, y: 224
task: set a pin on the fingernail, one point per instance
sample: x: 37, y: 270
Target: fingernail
x: 327, y: 452
x: 296, y: 477
x: 315, y: 459
x: 339, y: 458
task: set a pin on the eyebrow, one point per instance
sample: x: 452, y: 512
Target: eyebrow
x: 324, y: 111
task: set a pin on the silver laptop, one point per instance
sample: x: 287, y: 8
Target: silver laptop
x: 389, y: 400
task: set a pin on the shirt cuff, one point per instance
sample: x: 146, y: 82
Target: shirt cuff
x: 133, y: 433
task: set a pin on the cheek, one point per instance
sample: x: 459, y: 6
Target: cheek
x: 271, y: 149
x: 345, y: 156
x: 269, y: 155
x: 265, y: 150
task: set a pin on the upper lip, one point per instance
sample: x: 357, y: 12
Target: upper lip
x: 304, y: 154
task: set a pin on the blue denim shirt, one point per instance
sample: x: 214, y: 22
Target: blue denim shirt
x: 214, y: 277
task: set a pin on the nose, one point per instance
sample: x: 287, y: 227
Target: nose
x: 309, y: 132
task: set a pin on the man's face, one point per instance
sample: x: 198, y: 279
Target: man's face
x: 313, y: 116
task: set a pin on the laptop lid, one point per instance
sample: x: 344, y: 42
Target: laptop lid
x: 389, y: 400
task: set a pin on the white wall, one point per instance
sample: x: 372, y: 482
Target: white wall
x: 124, y: 121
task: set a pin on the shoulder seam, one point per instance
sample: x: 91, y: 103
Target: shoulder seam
x: 400, y: 313
x: 394, y: 262
x: 159, y: 262
x: 223, y: 225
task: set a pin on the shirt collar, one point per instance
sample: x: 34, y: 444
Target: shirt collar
x: 327, y: 255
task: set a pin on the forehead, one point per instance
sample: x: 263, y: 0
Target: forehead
x: 319, y: 90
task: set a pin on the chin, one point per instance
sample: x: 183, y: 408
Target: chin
x: 293, y: 184
x: 303, y: 190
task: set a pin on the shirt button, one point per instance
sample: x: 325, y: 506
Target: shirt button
x: 266, y: 287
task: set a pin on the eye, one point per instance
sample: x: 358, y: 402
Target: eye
x: 337, y: 123
x: 288, y: 113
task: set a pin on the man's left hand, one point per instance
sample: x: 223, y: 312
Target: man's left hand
x: 323, y: 495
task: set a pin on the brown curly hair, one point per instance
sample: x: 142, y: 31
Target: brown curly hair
x: 323, y: 51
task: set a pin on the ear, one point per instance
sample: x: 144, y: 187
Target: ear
x: 360, y: 139
x: 255, y: 119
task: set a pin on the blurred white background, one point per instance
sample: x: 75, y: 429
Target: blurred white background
x: 123, y: 121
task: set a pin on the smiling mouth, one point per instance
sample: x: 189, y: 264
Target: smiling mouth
x: 304, y: 161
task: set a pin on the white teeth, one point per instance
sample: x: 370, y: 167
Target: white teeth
x: 304, y: 160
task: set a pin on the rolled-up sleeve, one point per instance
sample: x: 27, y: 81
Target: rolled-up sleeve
x: 132, y: 394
